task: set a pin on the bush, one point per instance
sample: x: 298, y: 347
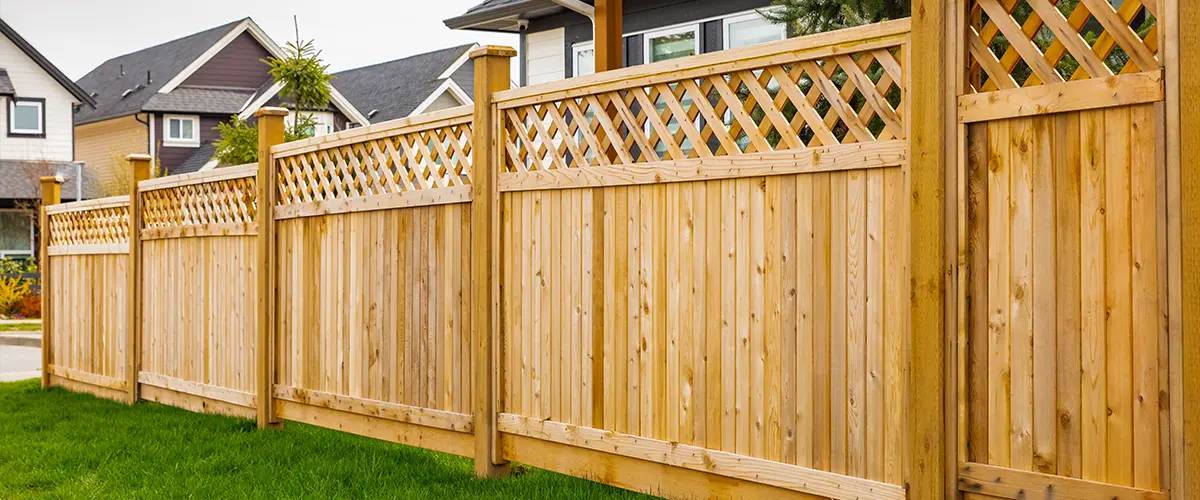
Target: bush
x: 29, y: 307
x: 12, y: 290
x: 18, y: 266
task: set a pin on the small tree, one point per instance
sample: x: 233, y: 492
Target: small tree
x: 306, y: 87
x: 816, y: 16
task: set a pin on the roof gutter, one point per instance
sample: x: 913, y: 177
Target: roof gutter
x: 579, y: 7
x: 513, y: 10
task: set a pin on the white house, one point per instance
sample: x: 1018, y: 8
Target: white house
x: 37, y: 139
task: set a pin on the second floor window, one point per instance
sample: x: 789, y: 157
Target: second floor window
x: 751, y: 29
x: 26, y: 117
x: 182, y: 131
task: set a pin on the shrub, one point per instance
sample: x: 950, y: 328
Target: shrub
x: 17, y: 266
x: 29, y: 307
x: 12, y: 290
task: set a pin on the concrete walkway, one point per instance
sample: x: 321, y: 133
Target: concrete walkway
x: 20, y: 363
x: 22, y: 339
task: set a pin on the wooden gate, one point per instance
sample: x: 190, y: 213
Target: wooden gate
x: 1065, y: 340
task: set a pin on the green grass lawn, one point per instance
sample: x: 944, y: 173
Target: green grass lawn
x: 20, y: 327
x: 58, y: 444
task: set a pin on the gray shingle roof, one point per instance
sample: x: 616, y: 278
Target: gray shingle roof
x: 197, y: 160
x: 499, y: 15
x: 6, y: 85
x: 119, y: 74
x: 20, y: 179
x: 396, y: 88
x: 199, y: 100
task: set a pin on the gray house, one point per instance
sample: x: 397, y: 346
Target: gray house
x: 556, y: 42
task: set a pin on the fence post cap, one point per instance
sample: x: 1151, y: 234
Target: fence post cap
x: 137, y: 157
x: 51, y: 178
x: 493, y: 50
x: 271, y: 111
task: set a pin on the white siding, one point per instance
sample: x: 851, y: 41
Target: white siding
x: 30, y: 80
x: 544, y: 56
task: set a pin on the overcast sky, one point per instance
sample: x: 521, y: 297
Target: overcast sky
x: 78, y: 35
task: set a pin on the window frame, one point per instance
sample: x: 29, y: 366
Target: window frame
x: 581, y: 47
x: 693, y: 28
x: 727, y: 22
x: 20, y: 252
x: 168, y: 141
x: 40, y: 133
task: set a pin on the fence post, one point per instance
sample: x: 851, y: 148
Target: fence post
x: 51, y: 195
x: 492, y: 74
x: 925, y: 465
x: 1182, y: 61
x: 270, y: 133
x: 140, y: 171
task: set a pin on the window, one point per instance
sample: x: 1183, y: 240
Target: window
x: 27, y: 117
x: 584, y: 62
x: 16, y: 233
x: 750, y: 29
x: 672, y: 43
x: 181, y: 131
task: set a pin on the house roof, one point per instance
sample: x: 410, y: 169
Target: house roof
x: 197, y: 160
x: 395, y: 89
x: 200, y: 100
x: 45, y: 64
x: 22, y: 179
x: 503, y: 15
x: 127, y: 84
x: 111, y: 80
x: 6, y: 85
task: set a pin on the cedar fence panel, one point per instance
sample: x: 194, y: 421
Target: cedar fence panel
x: 198, y: 278
x: 88, y: 247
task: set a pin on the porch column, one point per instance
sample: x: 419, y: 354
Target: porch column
x: 608, y: 35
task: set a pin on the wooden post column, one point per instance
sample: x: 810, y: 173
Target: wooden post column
x: 139, y: 171
x: 924, y: 466
x: 270, y: 133
x: 1182, y: 63
x: 492, y: 74
x: 608, y: 35
x: 51, y: 195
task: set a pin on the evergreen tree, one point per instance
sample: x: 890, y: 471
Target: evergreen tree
x: 815, y: 16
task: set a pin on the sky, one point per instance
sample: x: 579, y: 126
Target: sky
x: 78, y: 35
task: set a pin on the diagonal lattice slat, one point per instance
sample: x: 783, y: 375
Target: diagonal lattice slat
x: 437, y: 157
x: 227, y: 201
x: 99, y: 226
x: 841, y: 99
x: 1025, y: 43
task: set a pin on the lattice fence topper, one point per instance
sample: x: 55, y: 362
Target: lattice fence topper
x: 1024, y: 43
x: 99, y: 226
x: 225, y: 201
x: 839, y: 100
x: 409, y: 161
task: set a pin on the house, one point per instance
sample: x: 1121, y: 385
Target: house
x: 38, y: 102
x: 167, y: 100
x: 413, y: 85
x: 556, y: 42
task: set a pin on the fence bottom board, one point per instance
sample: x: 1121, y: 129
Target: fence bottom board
x: 206, y: 391
x: 84, y: 387
x: 457, y: 443
x: 634, y: 474
x: 731, y: 465
x: 102, y: 381
x: 990, y: 482
x: 193, y: 402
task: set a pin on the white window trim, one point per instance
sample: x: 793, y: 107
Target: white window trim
x: 194, y: 142
x: 9, y: 252
x: 12, y: 125
x: 693, y: 28
x: 748, y: 16
x: 575, y: 50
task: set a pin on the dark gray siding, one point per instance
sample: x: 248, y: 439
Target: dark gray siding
x: 238, y: 65
x: 171, y: 157
x: 641, y: 16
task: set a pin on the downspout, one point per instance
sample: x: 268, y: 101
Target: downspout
x: 581, y: 8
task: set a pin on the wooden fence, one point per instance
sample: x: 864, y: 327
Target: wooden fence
x: 837, y: 266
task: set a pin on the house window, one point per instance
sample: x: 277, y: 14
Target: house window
x: 16, y: 233
x: 181, y: 131
x: 584, y: 62
x: 27, y: 117
x: 673, y: 43
x: 751, y: 29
